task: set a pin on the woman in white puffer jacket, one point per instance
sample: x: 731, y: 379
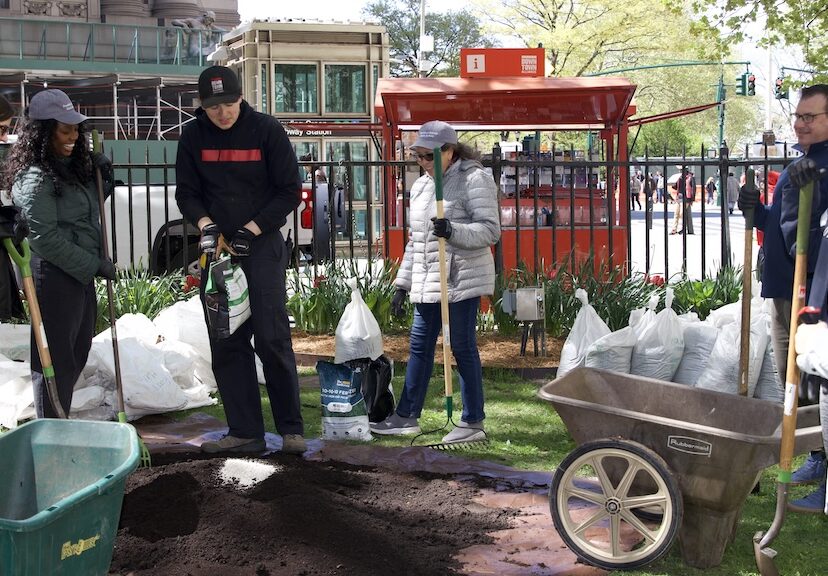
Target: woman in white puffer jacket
x: 471, y: 226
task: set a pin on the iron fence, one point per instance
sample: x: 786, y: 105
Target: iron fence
x: 557, y: 208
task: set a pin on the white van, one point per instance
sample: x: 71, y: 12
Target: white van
x: 150, y: 232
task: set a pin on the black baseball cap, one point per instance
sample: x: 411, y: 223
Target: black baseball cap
x: 218, y: 85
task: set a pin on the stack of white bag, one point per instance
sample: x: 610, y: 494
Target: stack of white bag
x: 158, y: 374
x: 659, y: 346
x: 165, y: 366
x: 675, y: 348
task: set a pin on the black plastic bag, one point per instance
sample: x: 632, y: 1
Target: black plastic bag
x: 376, y: 387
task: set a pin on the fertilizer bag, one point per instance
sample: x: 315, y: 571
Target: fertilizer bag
x: 344, y: 414
x: 587, y: 328
x: 226, y: 297
x: 358, y: 333
x: 660, y: 344
x: 613, y: 351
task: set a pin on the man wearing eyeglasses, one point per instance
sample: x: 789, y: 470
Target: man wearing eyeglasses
x: 778, y: 222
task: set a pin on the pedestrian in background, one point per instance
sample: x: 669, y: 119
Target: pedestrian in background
x: 238, y: 177
x: 51, y: 173
x: 471, y: 226
x: 710, y: 188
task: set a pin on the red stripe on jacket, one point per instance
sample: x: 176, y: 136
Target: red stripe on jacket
x: 253, y: 155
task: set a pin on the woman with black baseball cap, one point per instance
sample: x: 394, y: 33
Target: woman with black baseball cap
x: 50, y: 172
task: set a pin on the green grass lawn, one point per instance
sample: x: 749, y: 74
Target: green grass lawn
x: 525, y: 432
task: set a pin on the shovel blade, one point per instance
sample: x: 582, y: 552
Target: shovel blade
x: 764, y: 557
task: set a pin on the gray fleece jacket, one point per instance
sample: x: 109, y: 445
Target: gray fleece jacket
x: 470, y: 204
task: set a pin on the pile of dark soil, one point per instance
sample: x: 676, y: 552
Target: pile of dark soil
x: 306, y: 519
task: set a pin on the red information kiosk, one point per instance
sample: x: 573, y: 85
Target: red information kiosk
x: 527, y: 104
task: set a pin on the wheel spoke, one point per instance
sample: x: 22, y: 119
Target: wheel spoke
x: 597, y: 464
x: 626, y: 481
x: 599, y: 515
x: 587, y: 495
x: 615, y: 535
x: 640, y: 527
x: 657, y: 499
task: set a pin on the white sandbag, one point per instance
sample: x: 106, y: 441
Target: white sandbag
x: 727, y: 314
x: 15, y: 341
x: 148, y: 386
x: 699, y: 340
x: 136, y: 326
x: 587, y: 328
x: 722, y: 371
x: 613, y: 351
x: 184, y: 322
x: 16, y: 396
x: 660, y: 343
x: 358, y: 333
x: 768, y: 387
x: 87, y: 398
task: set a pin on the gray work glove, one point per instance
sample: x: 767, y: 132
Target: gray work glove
x: 398, y: 303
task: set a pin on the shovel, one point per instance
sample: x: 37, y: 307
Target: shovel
x: 23, y: 260
x: 747, y: 280
x: 761, y: 542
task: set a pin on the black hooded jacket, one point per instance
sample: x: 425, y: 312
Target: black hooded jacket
x: 248, y: 172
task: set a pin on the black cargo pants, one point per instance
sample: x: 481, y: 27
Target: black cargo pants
x: 233, y: 358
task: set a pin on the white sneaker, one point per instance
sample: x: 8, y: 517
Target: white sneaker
x: 396, y: 425
x: 465, y: 432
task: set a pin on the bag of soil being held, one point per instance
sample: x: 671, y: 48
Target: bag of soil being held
x: 344, y: 414
x: 226, y: 297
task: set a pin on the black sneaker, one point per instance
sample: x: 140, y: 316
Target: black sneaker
x: 396, y: 425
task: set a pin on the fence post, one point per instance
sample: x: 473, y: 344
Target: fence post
x: 496, y: 173
x: 723, y: 173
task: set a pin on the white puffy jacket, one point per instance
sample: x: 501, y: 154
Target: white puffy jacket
x: 470, y: 204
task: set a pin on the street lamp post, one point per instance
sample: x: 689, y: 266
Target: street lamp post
x: 724, y: 153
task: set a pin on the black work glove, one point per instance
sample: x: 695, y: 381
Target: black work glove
x: 106, y: 269
x: 398, y: 303
x: 804, y: 171
x: 104, y: 164
x: 442, y: 227
x: 209, y: 238
x: 13, y: 224
x: 242, y: 241
x: 748, y: 199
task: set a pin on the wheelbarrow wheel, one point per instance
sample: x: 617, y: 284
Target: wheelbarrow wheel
x: 615, y: 504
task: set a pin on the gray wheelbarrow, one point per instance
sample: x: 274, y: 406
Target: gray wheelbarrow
x: 656, y: 461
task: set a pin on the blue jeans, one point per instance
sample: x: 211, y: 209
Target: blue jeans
x: 463, y: 335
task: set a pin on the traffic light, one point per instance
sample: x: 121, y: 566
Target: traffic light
x: 751, y: 85
x: 781, y: 93
x: 741, y: 84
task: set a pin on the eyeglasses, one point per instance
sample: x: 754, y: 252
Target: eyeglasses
x: 429, y: 157
x: 806, y: 118
x: 4, y: 129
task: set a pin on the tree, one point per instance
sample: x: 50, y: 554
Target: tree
x: 451, y: 31
x: 801, y: 24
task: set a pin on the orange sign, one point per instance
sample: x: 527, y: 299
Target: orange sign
x: 494, y: 62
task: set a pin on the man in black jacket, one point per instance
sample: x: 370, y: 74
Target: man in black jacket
x: 237, y: 177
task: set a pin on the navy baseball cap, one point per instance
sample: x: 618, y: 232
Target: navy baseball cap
x: 218, y: 85
x: 54, y: 105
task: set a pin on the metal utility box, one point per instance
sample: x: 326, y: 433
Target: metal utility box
x: 529, y: 304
